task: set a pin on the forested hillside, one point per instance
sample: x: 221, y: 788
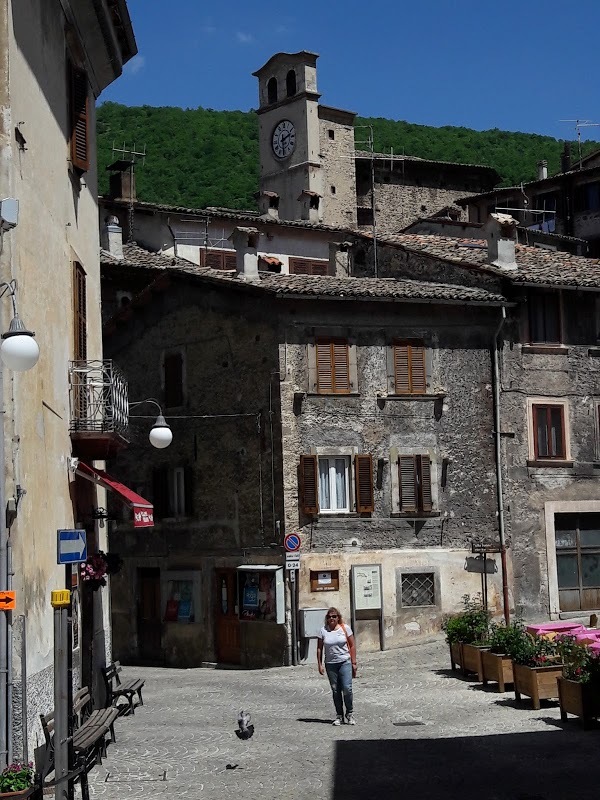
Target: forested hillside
x: 199, y: 157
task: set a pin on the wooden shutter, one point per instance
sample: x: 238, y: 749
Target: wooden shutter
x: 160, y: 491
x: 298, y: 266
x: 324, y: 367
x: 319, y: 268
x: 341, y: 366
x: 408, y: 483
x: 309, y: 486
x: 365, y: 500
x: 424, y: 480
x: 80, y: 119
x: 173, y: 378
x: 80, y: 312
x: 229, y: 260
x: 409, y: 368
x: 212, y: 259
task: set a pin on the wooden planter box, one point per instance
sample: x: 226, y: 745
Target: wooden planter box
x: 19, y: 795
x: 472, y: 659
x: 539, y: 683
x: 498, y: 668
x: 579, y: 699
x: 456, y: 656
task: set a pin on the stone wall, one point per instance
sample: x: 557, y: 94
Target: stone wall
x: 339, y: 179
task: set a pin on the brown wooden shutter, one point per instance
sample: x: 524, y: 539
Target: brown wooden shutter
x: 324, y: 367
x: 298, y: 266
x: 408, y: 483
x: 409, y: 368
x: 424, y: 478
x: 319, y: 268
x: 173, y: 377
x: 213, y: 259
x: 365, y: 500
x: 80, y: 120
x: 341, y: 366
x: 80, y: 312
x: 309, y: 485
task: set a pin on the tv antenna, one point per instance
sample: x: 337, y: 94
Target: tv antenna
x: 579, y: 124
x: 125, y: 160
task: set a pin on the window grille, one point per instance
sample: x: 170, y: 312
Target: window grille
x: 418, y: 589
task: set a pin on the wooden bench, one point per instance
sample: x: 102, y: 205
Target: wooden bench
x: 92, y: 731
x: 116, y: 689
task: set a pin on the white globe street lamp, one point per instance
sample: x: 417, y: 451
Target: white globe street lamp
x: 160, y: 435
x: 19, y: 350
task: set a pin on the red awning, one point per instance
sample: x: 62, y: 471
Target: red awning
x: 143, y: 511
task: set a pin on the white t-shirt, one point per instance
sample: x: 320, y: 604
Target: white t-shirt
x: 335, y: 644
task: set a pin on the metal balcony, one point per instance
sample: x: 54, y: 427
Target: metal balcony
x: 99, y: 409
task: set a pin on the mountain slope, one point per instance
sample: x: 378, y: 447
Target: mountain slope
x: 200, y: 157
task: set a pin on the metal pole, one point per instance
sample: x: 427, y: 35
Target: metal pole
x: 5, y: 712
x: 69, y: 655
x: 294, y: 607
x: 61, y: 709
x: 498, y: 453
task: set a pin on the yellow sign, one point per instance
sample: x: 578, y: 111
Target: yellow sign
x: 60, y: 598
x: 8, y: 601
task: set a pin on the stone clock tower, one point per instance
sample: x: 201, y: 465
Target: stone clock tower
x: 306, y: 149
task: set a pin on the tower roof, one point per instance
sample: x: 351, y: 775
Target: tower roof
x: 304, y: 56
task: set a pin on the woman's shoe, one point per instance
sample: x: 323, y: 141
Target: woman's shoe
x: 339, y: 720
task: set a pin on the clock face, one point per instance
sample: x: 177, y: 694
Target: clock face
x: 284, y: 139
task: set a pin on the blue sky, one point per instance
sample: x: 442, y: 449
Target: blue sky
x: 516, y: 64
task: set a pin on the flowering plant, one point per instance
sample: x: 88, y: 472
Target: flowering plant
x: 533, y: 651
x: 16, y: 777
x: 471, y: 625
x: 580, y: 664
x: 95, y: 569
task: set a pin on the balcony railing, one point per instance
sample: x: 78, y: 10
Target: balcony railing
x: 98, y: 398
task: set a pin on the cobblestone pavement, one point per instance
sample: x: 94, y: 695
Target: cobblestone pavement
x: 421, y: 733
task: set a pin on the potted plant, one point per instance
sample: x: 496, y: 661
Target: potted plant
x: 536, y: 666
x: 16, y: 780
x: 496, y: 663
x: 466, y: 634
x: 97, y: 566
x: 579, y: 685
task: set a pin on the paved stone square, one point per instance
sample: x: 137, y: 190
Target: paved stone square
x: 420, y: 733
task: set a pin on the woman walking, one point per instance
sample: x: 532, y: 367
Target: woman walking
x: 337, y: 640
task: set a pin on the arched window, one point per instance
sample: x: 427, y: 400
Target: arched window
x: 272, y: 90
x: 290, y: 83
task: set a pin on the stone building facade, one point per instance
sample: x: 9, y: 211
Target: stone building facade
x: 56, y: 58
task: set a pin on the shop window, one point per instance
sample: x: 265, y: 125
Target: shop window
x: 179, y: 606
x: 258, y: 595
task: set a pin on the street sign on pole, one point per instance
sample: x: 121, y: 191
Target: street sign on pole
x: 292, y: 542
x: 292, y: 561
x: 8, y: 601
x: 71, y: 546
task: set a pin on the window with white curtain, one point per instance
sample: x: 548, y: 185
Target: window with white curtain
x: 334, y: 490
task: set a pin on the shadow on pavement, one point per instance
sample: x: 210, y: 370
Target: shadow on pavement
x: 553, y: 765
x: 315, y: 719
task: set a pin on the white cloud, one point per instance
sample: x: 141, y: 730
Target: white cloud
x: 208, y: 29
x: 136, y: 65
x: 244, y: 38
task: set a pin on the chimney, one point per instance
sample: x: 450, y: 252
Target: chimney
x: 501, y: 234
x: 268, y: 204
x: 542, y: 170
x: 111, y: 238
x: 310, y: 202
x: 245, y: 242
x: 340, y: 259
x: 122, y: 181
x: 565, y: 158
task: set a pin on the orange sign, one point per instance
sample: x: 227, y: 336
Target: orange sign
x: 8, y: 601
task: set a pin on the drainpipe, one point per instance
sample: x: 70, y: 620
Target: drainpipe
x: 498, y: 451
x: 5, y: 711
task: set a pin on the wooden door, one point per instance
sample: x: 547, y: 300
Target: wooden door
x: 578, y: 561
x: 149, y: 617
x: 227, y: 622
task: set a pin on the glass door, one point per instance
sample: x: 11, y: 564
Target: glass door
x: 578, y: 561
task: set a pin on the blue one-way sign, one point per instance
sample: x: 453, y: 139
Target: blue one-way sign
x: 72, y: 546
